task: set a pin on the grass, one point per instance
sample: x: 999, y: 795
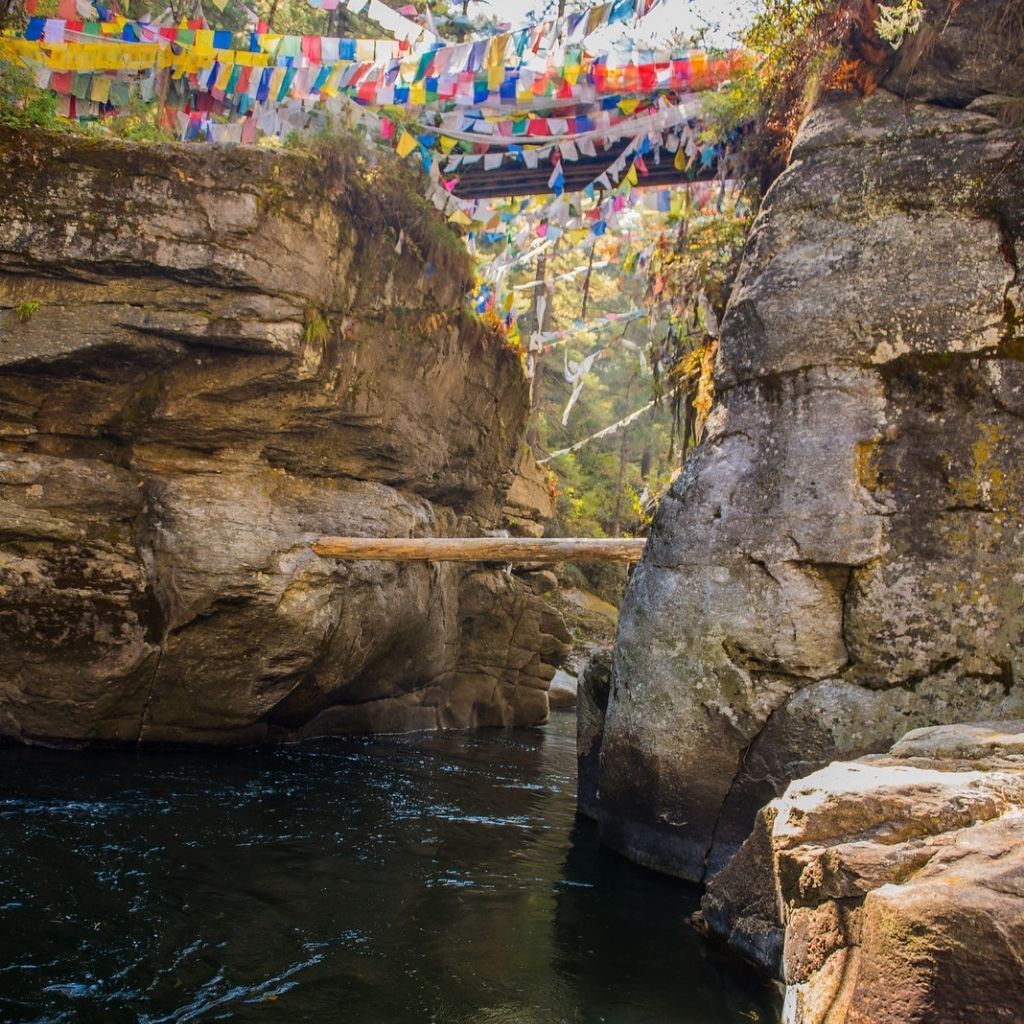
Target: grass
x: 318, y: 329
x: 24, y: 311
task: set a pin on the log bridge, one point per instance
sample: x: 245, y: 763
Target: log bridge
x: 481, y: 549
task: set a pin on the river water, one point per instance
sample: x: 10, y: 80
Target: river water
x: 405, y: 879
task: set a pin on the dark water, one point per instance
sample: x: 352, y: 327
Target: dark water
x: 385, y: 880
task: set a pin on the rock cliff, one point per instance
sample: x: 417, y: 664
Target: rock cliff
x: 208, y: 357
x: 842, y: 559
x: 890, y: 890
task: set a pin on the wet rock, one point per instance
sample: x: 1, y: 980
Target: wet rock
x: 897, y: 881
x: 229, y: 359
x: 841, y: 558
x: 591, y: 708
x: 740, y: 905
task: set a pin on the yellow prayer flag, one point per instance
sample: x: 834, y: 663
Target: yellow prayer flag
x: 628, y: 106
x: 631, y: 176
x: 448, y: 143
x: 458, y: 217
x: 495, y: 57
x: 406, y: 144
x: 100, y: 90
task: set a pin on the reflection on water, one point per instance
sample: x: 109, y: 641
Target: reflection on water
x: 406, y: 879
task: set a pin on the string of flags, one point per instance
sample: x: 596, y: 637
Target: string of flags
x: 608, y: 431
x: 535, y: 97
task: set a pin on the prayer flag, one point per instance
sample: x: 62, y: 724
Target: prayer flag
x: 406, y: 144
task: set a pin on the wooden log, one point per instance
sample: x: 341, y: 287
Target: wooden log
x: 481, y: 549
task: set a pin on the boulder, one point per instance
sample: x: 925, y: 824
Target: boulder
x: 562, y: 693
x: 841, y: 559
x: 229, y: 357
x: 890, y: 890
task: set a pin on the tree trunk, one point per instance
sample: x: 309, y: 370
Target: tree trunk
x: 537, y: 323
x: 480, y: 549
x: 620, y: 486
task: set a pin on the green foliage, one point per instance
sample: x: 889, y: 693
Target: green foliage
x: 895, y: 23
x: 139, y: 123
x: 318, y: 329
x: 735, y: 104
x: 24, y: 311
x: 22, y: 105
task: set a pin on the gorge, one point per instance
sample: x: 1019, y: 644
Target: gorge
x: 813, y: 708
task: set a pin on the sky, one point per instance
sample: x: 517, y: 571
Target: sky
x: 726, y: 18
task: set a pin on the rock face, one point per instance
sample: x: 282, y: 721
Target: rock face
x: 842, y: 559
x: 208, y: 357
x: 890, y: 890
x: 591, y: 709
